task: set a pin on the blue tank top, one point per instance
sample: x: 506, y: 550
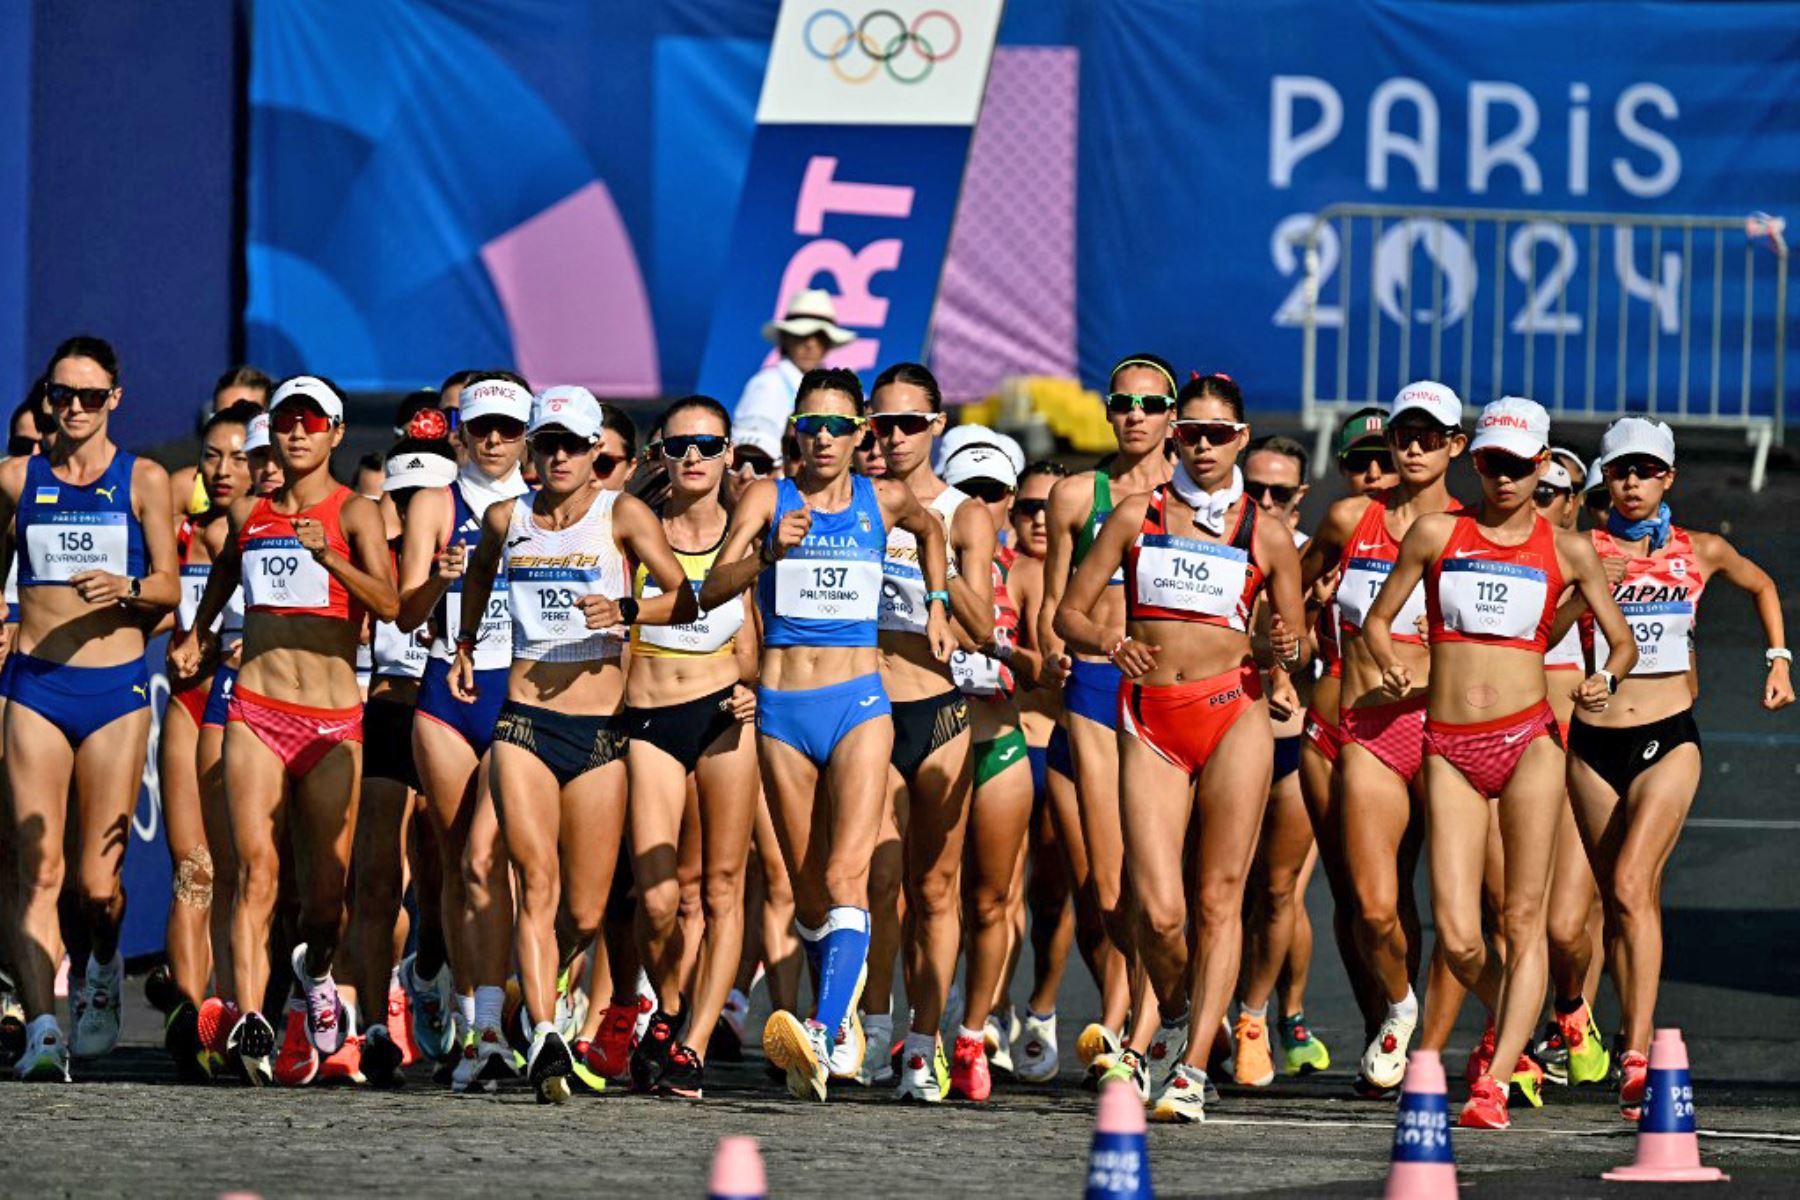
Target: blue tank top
x: 827, y: 590
x: 63, y: 529
x: 493, y: 646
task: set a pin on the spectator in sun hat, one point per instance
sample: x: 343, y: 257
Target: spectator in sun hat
x: 805, y: 333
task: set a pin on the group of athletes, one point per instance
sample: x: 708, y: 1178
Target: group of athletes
x: 637, y: 729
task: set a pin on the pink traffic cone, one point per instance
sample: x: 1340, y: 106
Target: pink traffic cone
x: 737, y: 1171
x: 1668, y: 1151
x: 1421, y: 1166
x: 1119, y: 1164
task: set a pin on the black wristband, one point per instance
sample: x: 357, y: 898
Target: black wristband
x: 628, y: 610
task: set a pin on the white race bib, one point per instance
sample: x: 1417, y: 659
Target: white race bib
x: 1491, y: 599
x: 493, y: 640
x: 398, y: 653
x: 544, y: 603
x: 902, y: 598
x: 1664, y: 634
x: 63, y: 545
x: 1362, y: 582
x: 819, y: 588
x: 281, y: 573
x: 715, y: 628
x: 193, y: 586
x: 978, y: 674
x: 1189, y: 575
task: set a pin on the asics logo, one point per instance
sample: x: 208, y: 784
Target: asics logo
x: 1468, y: 553
x: 866, y: 703
x: 332, y: 730
x: 1651, y: 748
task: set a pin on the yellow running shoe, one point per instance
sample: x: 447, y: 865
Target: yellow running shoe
x: 1305, y: 1050
x: 1588, y: 1060
x: 1255, y: 1065
x: 1528, y: 1081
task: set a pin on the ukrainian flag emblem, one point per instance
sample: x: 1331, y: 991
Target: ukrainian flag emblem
x: 48, y: 495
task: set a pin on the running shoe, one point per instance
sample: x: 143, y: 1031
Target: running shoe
x: 1634, y: 1073
x: 1038, y: 1061
x: 444, y: 1073
x: 571, y: 1006
x: 382, y: 1058
x: 486, y: 1060
x: 878, y: 1043
x: 400, y: 1024
x: 1587, y: 1057
x: 1255, y: 1064
x: 996, y: 1037
x: 1303, y: 1049
x: 1097, y: 1047
x: 684, y: 1076
x: 1384, y: 1062
x: 217, y: 1019
x: 344, y: 1065
x: 727, y: 1041
x: 324, y: 1011
x: 1368, y: 1091
x: 1527, y: 1079
x: 1481, y: 1058
x: 849, y: 1045
x: 1164, y: 1051
x: 297, y: 1062
x: 1131, y: 1067
x: 181, y: 1038
x: 46, y: 1058
x: 651, y: 1054
x: 1486, y: 1107
x: 102, y: 1011
x: 160, y: 990
x: 550, y: 1068
x: 585, y: 1074
x: 12, y: 1020
x: 1183, y: 1098
x: 969, y: 1077
x: 610, y: 1056
x: 646, y: 1007
x: 1551, y: 1052
x: 803, y: 1052
x: 923, y: 1080
x: 433, y: 1025
x: 251, y: 1042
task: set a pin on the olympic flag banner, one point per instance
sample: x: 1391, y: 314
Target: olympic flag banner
x: 862, y: 133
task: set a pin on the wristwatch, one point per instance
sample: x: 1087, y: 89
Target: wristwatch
x: 942, y: 597
x: 136, y: 589
x: 1612, y: 681
x: 628, y: 611
x: 1774, y: 653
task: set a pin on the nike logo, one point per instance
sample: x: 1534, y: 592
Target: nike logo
x: 1511, y: 738
x: 1010, y: 752
x: 866, y: 703
x: 1368, y: 545
x: 109, y: 492
x: 332, y: 730
x: 256, y: 529
x: 1468, y: 553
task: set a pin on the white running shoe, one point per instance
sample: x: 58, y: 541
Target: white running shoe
x: 101, y: 1011
x: 647, y: 1006
x: 849, y: 1048
x: 46, y: 1057
x: 878, y: 1050
x: 923, y: 1079
x: 803, y: 1050
x: 996, y: 1037
x: 325, y: 1023
x: 1384, y: 1062
x: 1164, y: 1052
x: 486, y: 1060
x: 1183, y: 1098
x: 1038, y: 1060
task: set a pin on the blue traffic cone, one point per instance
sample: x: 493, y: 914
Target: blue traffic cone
x: 1119, y: 1164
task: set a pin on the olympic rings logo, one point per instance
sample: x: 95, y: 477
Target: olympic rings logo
x: 882, y: 38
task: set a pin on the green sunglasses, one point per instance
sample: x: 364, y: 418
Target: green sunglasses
x: 835, y: 425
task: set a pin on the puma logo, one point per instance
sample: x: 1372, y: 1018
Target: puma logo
x: 140, y: 690
x: 109, y: 492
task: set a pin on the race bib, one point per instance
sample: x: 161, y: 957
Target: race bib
x: 1491, y: 599
x: 902, y: 598
x: 980, y: 675
x: 281, y: 573
x: 827, y: 589
x: 544, y: 603
x: 398, y: 653
x: 1362, y: 582
x: 1664, y: 634
x: 1189, y: 575
x: 193, y: 586
x: 63, y: 545
x: 713, y: 631
x: 493, y: 640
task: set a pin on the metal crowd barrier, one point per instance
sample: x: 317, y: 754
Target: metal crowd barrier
x: 1690, y: 328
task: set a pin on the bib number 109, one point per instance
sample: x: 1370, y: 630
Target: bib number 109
x: 280, y: 565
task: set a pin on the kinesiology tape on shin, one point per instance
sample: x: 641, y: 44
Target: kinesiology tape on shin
x: 845, y: 949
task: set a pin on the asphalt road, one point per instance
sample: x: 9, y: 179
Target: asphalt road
x: 1732, y: 901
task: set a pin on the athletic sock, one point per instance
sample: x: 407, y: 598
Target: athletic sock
x: 922, y: 1044
x: 1406, y: 1008
x: 490, y: 1002
x: 963, y: 1031
x: 843, y: 950
x: 812, y: 941
x: 350, y: 1016
x: 465, y: 1008
x: 107, y: 972
x: 1042, y: 1016
x: 1566, y: 1007
x: 878, y: 1030
x: 1260, y: 1011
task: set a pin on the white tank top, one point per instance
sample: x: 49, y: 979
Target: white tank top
x: 549, y: 571
x: 903, y: 580
x: 398, y: 655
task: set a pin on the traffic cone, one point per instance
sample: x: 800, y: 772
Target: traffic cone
x: 1119, y: 1164
x: 1421, y: 1165
x: 737, y: 1171
x: 1667, y: 1149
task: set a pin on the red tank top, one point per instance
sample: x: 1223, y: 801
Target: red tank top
x: 1367, y: 560
x: 281, y: 576
x: 1660, y: 599
x: 1170, y: 577
x: 1480, y: 591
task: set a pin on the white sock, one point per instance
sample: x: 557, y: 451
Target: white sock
x: 879, y: 1028
x: 922, y: 1044
x: 540, y: 1030
x: 490, y: 1002
x: 350, y: 1016
x: 1260, y: 1012
x: 393, y: 980
x: 465, y: 1007
x: 963, y: 1031
x: 1406, y: 1008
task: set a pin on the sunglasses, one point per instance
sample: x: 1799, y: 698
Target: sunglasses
x: 290, y: 417
x: 20, y: 446
x: 757, y: 464
x: 1498, y: 464
x: 835, y: 425
x: 1427, y: 437
x: 868, y: 445
x: 911, y: 424
x: 1212, y: 433
x: 93, y: 399
x: 1549, y: 493
x: 1642, y: 467
x: 1029, y: 510
x: 546, y: 443
x: 1282, y: 493
x: 988, y: 491
x: 1358, y: 462
x: 707, y: 445
x: 1154, y: 405
x: 509, y: 429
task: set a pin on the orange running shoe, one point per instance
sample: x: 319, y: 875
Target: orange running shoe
x: 1481, y: 1058
x: 296, y: 1061
x: 345, y: 1066
x: 1255, y: 1066
x: 1486, y: 1108
x: 610, y: 1055
x: 399, y: 1023
x: 1634, y: 1072
x: 969, y: 1076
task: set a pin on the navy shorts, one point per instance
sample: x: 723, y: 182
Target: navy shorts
x: 1093, y: 692
x: 474, y: 723
x: 79, y: 701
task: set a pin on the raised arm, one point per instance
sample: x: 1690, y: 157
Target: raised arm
x: 975, y: 543
x: 1326, y: 548
x: 1719, y: 556
x: 424, y: 575
x: 1582, y: 569
x: 1067, y: 509
x: 368, y: 572
x: 1423, y: 543
x: 1072, y: 620
x: 478, y: 584
x: 743, y: 557
x: 640, y: 535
